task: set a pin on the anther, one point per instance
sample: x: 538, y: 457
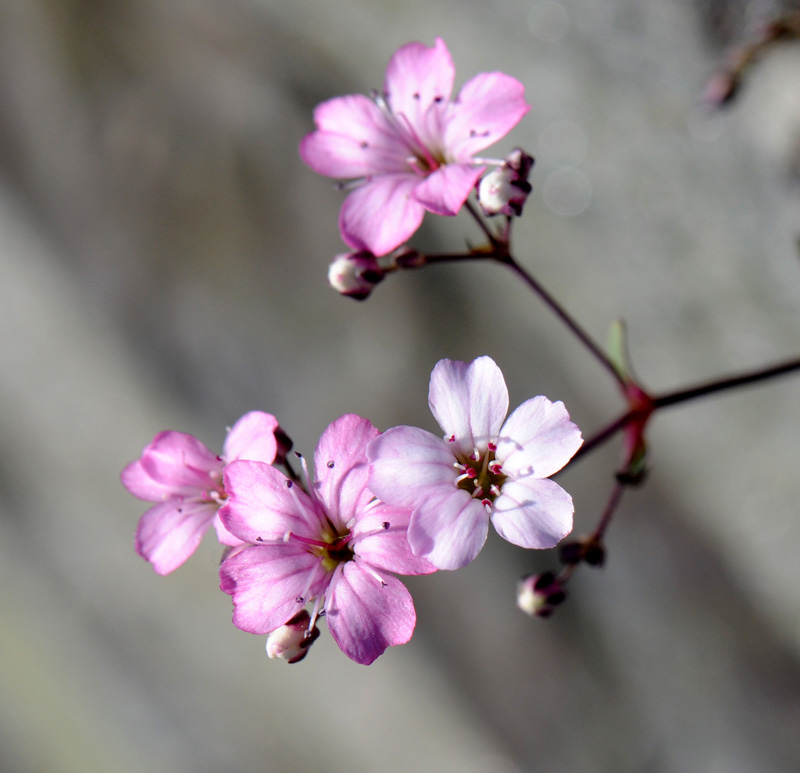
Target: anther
x: 386, y: 525
x: 330, y: 465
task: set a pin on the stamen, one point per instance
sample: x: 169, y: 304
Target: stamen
x: 310, y: 580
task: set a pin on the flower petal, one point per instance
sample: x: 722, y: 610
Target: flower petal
x: 182, y: 463
x: 487, y: 108
x: 446, y: 190
x: 366, y: 616
x: 170, y: 532
x: 380, y: 537
x: 419, y: 77
x: 261, y: 506
x: 469, y: 400
x: 354, y: 138
x: 533, y: 513
x: 408, y: 464
x: 266, y: 582
x: 224, y: 537
x: 449, y: 531
x: 253, y: 438
x: 381, y: 214
x: 142, y: 486
x: 341, y: 470
x: 538, y: 439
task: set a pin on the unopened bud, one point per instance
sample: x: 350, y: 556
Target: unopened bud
x: 292, y: 640
x: 283, y: 445
x: 355, y: 274
x: 588, y: 549
x: 539, y: 594
x: 504, y: 190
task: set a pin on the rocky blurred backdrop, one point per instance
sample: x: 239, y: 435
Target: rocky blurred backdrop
x: 163, y: 257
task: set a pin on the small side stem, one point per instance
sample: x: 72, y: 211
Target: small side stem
x: 564, y: 316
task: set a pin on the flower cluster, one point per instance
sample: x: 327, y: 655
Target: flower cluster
x: 403, y: 502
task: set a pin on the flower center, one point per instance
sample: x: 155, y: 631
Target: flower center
x: 336, y: 552
x: 481, y: 476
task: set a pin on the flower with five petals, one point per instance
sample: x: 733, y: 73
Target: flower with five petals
x: 333, y: 545
x: 486, y: 467
x: 411, y: 147
x: 184, y: 478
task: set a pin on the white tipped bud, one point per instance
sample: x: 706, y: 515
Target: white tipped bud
x: 292, y: 640
x: 355, y: 274
x: 539, y: 594
x: 504, y: 190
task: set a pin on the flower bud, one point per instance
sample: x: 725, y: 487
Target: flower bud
x: 504, y: 190
x: 588, y: 549
x: 539, y: 594
x: 292, y: 640
x: 355, y: 274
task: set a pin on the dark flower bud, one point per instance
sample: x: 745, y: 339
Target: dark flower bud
x: 292, y: 640
x: 539, y: 594
x: 586, y: 549
x: 355, y: 274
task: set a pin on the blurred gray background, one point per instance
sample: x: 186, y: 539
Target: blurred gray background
x: 163, y: 254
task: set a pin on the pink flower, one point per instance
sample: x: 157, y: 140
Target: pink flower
x: 486, y: 467
x: 185, y: 478
x: 412, y: 147
x: 332, y: 546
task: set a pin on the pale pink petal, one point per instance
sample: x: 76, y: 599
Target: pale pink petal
x: 445, y: 191
x: 486, y: 109
x: 181, y: 462
x: 170, y: 532
x: 224, y: 537
x: 533, y: 513
x: 380, y: 537
x: 253, y: 438
x: 142, y: 486
x: 262, y: 506
x: 408, y: 464
x: 341, y: 469
x: 418, y: 78
x: 366, y: 616
x: 266, y: 582
x: 449, y: 531
x: 538, y: 439
x: 381, y: 214
x: 469, y: 400
x: 354, y: 138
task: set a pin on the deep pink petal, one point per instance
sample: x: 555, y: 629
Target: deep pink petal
x: 253, y: 438
x: 366, y: 616
x: 445, y: 191
x: 341, y: 469
x: 170, y: 532
x: 469, y: 400
x: 538, y: 439
x: 419, y: 78
x: 408, y: 464
x: 266, y: 582
x: 354, y: 138
x: 182, y: 463
x: 486, y: 109
x: 261, y: 506
x: 381, y: 214
x: 142, y: 486
x: 380, y: 537
x: 449, y: 531
x: 533, y: 513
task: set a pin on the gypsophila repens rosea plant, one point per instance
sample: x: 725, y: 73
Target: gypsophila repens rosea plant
x: 303, y: 546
